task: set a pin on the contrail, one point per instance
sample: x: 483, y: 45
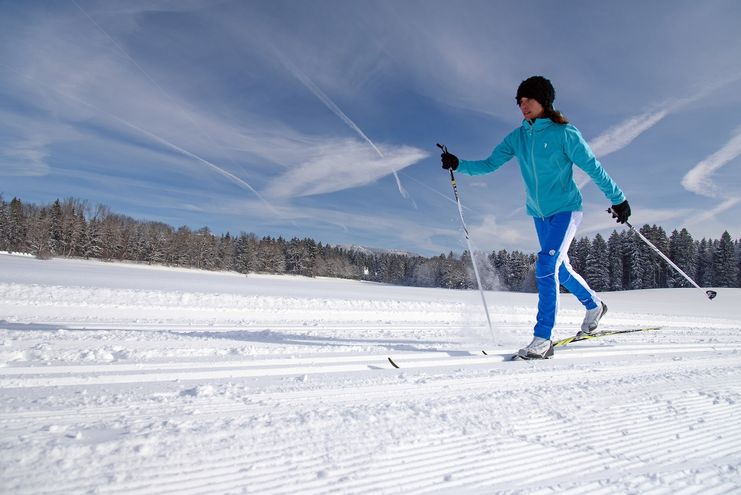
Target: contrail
x: 698, y: 179
x: 153, y: 136
x: 306, y: 81
x: 187, y: 114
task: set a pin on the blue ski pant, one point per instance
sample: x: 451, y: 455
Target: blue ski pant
x: 552, y: 269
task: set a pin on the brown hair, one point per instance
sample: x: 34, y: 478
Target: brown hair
x: 555, y: 115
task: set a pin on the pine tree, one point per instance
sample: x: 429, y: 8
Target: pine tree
x: 683, y: 252
x: 4, y: 223
x: 738, y: 262
x: 38, y: 230
x: 615, y: 261
x: 704, y: 263
x: 452, y: 273
x: 225, y: 252
x: 500, y: 261
x: 111, y: 238
x: 578, y: 253
x: 637, y: 262
x: 271, y: 255
x: 597, y: 271
x: 203, y: 249
x: 246, y: 253
x: 93, y: 240
x: 55, y: 239
x: 647, y: 268
x: 660, y: 268
x: 73, y: 227
x: 301, y: 258
x: 724, y: 262
x: 17, y: 227
x: 520, y: 265
x: 158, y: 239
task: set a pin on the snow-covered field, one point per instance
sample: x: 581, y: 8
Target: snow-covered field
x: 131, y: 379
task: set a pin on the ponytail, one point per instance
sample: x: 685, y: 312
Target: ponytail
x: 555, y: 115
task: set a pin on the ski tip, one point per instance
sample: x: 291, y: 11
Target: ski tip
x: 484, y: 352
x: 393, y: 363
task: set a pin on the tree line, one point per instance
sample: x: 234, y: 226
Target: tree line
x: 71, y: 228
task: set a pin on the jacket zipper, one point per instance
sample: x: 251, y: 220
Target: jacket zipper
x: 535, y: 174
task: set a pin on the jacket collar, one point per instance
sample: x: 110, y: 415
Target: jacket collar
x: 537, y: 125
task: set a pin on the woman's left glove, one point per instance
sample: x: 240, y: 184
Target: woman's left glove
x: 621, y: 211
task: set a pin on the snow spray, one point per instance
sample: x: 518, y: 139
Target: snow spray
x: 468, y: 241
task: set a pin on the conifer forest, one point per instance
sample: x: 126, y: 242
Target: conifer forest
x: 71, y: 228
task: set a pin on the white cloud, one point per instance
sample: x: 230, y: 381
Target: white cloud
x: 624, y: 133
x: 78, y: 77
x: 711, y: 214
x: 24, y: 158
x: 25, y: 144
x: 699, y: 179
x: 331, y: 105
x: 338, y: 165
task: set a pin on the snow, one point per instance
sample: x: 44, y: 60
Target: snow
x: 125, y: 378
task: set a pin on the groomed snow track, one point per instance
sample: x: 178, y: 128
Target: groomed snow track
x: 99, y: 394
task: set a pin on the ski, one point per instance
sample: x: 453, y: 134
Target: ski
x: 517, y: 357
x: 557, y: 343
x: 606, y: 333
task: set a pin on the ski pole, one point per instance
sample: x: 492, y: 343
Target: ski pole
x: 709, y: 293
x: 468, y: 241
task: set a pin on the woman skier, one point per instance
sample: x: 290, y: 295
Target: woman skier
x: 546, y: 146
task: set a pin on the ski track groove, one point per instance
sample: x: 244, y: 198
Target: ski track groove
x: 385, y: 474
x: 607, y: 430
x: 456, y: 455
x: 381, y: 468
x: 230, y: 372
x: 233, y: 406
x: 278, y: 473
x: 268, y: 363
x: 561, y: 471
x: 384, y: 468
x: 419, y: 470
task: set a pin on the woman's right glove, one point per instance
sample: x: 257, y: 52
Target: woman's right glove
x: 450, y: 161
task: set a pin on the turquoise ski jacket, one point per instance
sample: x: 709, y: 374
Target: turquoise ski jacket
x: 546, y: 152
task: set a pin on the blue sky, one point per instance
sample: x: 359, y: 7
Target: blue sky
x: 320, y: 118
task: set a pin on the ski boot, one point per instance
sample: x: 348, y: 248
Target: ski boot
x: 591, y: 320
x: 539, y: 348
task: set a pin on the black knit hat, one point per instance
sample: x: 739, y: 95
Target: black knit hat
x: 538, y: 88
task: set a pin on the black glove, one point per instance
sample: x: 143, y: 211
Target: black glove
x: 449, y: 161
x: 621, y: 211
